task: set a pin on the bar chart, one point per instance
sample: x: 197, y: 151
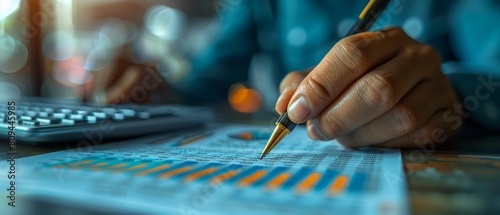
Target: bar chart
x: 297, y: 180
x: 222, y: 174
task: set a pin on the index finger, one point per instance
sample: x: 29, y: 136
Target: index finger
x: 347, y: 61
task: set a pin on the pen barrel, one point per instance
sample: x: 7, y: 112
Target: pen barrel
x: 365, y: 22
x: 286, y: 122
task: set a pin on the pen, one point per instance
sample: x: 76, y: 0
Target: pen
x: 365, y: 21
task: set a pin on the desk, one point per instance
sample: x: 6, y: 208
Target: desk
x: 459, y: 177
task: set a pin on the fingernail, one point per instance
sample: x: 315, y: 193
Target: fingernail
x: 314, y: 133
x: 299, y: 110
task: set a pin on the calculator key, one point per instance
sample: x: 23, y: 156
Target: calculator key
x: 118, y: 116
x: 31, y: 113
x: 65, y: 111
x: 73, y: 121
x: 27, y: 118
x: 48, y: 110
x: 128, y: 112
x: 59, y: 115
x: 29, y: 123
x: 82, y: 112
x: 49, y: 120
x: 36, y: 109
x: 91, y: 119
x: 100, y: 115
x: 109, y: 110
x: 43, y: 114
x: 76, y: 117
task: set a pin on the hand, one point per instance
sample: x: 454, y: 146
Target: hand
x: 374, y: 88
x: 124, y: 81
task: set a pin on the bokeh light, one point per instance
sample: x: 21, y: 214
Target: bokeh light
x: 98, y: 58
x: 113, y: 33
x: 244, y: 100
x: 9, y: 91
x: 70, y: 72
x: 173, y: 69
x: 13, y: 54
x: 7, y: 7
x: 164, y: 22
x: 59, y: 45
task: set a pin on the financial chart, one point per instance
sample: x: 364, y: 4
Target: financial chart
x: 219, y: 172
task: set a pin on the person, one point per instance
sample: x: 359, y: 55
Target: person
x: 403, y: 86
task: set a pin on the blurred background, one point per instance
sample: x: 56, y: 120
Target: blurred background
x: 51, y: 48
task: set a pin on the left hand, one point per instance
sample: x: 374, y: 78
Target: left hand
x: 375, y: 88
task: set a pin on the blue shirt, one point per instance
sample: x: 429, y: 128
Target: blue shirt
x: 297, y: 34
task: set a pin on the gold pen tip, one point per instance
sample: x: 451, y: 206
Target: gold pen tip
x: 278, y: 134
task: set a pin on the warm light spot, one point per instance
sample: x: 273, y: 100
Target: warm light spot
x: 70, y: 72
x: 244, y: 100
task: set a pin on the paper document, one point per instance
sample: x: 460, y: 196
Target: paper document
x: 218, y: 172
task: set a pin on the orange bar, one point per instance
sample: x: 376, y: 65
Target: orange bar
x: 339, y: 185
x: 252, y: 178
x: 130, y: 168
x: 278, y: 181
x: 117, y: 166
x: 223, y: 177
x: 199, y: 174
x: 111, y: 167
x: 97, y: 165
x: 308, y: 183
x: 91, y: 166
x: 175, y: 172
x: 114, y: 166
x: 73, y: 164
x: 156, y: 169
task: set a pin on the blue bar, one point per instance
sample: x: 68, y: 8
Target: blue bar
x: 177, y: 166
x: 297, y: 177
x: 244, y: 174
x: 326, y: 179
x: 273, y: 173
x: 220, y: 171
x: 184, y: 174
x: 357, y: 182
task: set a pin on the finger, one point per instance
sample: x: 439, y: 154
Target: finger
x: 313, y: 132
x: 120, y: 64
x: 348, y: 60
x: 378, y: 91
x: 434, y: 131
x: 287, y: 88
x: 293, y: 79
x: 123, y: 87
x: 100, y: 81
x: 407, y: 116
